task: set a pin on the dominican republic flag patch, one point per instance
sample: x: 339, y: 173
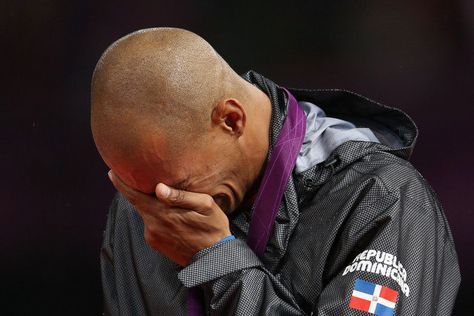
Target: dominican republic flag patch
x: 373, y: 298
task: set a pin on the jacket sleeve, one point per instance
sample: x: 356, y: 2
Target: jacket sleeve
x: 401, y: 261
x: 235, y: 282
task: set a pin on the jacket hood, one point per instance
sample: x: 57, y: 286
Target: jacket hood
x: 394, y: 128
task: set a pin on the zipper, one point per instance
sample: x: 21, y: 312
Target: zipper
x: 309, y: 183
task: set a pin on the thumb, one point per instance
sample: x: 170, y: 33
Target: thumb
x: 162, y: 191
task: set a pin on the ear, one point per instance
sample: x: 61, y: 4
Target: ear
x: 230, y: 115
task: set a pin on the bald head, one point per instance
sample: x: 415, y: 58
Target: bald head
x: 167, y: 108
x: 159, y: 81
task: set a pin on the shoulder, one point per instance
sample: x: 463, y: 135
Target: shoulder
x: 371, y: 191
x: 398, y: 176
x: 400, y: 193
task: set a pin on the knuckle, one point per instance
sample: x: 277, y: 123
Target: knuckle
x: 178, y: 196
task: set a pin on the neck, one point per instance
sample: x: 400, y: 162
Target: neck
x: 258, y: 141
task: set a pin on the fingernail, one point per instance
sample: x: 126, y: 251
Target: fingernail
x: 110, y: 174
x: 163, y: 190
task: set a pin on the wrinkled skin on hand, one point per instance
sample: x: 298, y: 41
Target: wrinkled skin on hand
x: 177, y: 223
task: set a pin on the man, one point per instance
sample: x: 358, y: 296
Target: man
x: 358, y: 230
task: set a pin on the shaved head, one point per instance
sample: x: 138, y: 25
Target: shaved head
x: 162, y: 80
x: 167, y: 108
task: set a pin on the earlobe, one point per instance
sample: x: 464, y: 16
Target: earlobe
x: 230, y: 115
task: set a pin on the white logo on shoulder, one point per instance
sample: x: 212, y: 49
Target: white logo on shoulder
x: 383, y: 263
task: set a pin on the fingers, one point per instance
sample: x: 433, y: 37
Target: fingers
x: 199, y: 202
x: 184, y: 199
x: 133, y: 196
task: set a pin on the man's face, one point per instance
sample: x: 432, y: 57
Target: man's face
x: 202, y: 169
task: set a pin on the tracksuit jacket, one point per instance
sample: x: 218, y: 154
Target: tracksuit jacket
x: 359, y: 233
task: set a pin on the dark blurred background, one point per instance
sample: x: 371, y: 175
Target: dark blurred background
x: 416, y: 55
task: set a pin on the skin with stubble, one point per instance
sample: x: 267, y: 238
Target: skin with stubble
x: 185, y: 137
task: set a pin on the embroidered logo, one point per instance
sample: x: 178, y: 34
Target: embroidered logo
x: 382, y: 263
x: 373, y: 298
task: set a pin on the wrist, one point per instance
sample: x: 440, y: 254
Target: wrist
x: 223, y: 240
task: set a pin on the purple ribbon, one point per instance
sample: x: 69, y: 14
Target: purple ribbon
x: 195, y: 307
x: 277, y: 173
x: 274, y: 181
